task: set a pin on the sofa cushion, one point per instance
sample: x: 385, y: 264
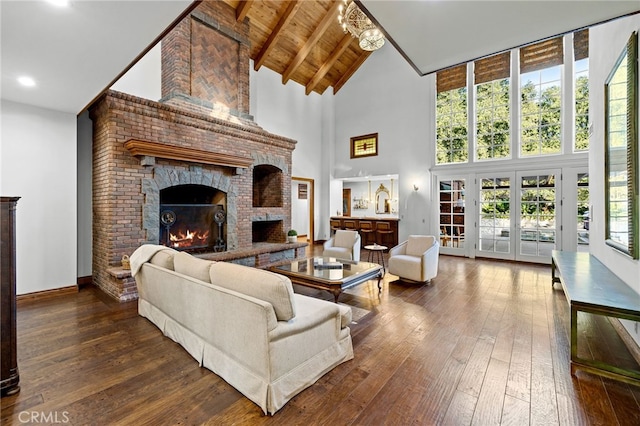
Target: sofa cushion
x: 344, y: 238
x: 264, y: 285
x: 192, y: 266
x: 164, y: 258
x: 418, y: 244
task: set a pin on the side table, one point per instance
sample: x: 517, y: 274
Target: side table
x: 376, y: 254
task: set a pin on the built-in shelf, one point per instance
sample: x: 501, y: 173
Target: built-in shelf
x: 171, y: 152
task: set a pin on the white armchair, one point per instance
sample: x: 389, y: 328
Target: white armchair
x: 415, y: 259
x: 343, y: 245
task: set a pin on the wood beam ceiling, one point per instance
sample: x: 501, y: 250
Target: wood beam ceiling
x: 277, y: 32
x: 301, y: 40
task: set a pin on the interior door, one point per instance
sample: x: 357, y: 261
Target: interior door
x: 538, y: 230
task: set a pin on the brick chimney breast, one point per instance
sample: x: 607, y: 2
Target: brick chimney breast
x: 204, y: 109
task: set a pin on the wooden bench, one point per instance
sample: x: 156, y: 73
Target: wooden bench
x: 591, y: 287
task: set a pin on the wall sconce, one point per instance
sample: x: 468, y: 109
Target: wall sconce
x: 415, y: 187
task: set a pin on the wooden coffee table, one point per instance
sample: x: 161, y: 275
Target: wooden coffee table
x: 330, y: 274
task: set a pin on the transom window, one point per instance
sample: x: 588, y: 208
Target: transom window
x: 492, y: 107
x: 486, y: 135
x: 451, y: 116
x: 581, y: 89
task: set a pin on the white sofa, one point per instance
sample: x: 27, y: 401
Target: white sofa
x: 244, y: 324
x: 415, y: 259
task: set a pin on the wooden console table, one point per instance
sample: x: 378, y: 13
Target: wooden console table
x: 591, y: 287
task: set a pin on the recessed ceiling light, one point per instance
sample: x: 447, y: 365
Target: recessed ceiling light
x: 59, y: 3
x: 26, y: 81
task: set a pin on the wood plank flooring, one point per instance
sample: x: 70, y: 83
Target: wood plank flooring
x: 486, y: 343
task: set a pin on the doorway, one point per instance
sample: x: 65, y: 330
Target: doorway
x: 302, y: 208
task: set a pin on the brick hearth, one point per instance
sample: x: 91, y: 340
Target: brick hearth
x: 205, y: 69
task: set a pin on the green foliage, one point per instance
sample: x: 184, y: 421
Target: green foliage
x: 582, y: 113
x: 292, y: 233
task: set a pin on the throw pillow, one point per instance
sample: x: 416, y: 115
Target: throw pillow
x: 192, y: 266
x: 264, y: 285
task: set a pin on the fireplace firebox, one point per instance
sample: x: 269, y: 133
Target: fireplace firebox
x: 192, y: 218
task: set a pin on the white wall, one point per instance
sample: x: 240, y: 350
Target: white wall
x: 285, y: 110
x: 606, y: 42
x: 144, y: 79
x: 386, y: 96
x: 38, y: 163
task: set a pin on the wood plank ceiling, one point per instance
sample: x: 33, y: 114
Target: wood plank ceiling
x: 302, y: 41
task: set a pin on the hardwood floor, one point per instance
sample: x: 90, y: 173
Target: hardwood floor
x: 486, y: 343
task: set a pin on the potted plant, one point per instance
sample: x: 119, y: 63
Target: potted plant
x: 292, y: 236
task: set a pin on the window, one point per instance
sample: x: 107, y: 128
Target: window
x: 492, y: 106
x: 540, y: 86
x: 451, y: 116
x: 581, y: 89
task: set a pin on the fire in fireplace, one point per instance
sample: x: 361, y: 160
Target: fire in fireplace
x: 193, y: 217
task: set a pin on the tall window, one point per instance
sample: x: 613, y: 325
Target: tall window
x: 451, y: 116
x: 540, y: 86
x: 581, y: 89
x: 491, y: 77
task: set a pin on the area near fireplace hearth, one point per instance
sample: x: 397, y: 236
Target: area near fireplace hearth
x: 192, y: 171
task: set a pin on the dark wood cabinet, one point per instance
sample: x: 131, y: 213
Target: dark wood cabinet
x: 8, y: 355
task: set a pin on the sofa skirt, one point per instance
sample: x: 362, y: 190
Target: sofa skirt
x: 269, y: 395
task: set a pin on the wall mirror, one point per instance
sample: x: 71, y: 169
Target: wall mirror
x: 621, y: 155
x: 382, y: 200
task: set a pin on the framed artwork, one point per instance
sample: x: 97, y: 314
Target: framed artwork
x: 364, y: 146
x: 302, y: 191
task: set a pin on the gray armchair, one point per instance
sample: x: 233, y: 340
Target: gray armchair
x: 343, y: 245
x: 415, y: 259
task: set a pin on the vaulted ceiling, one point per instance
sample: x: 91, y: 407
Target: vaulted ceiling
x: 77, y: 52
x: 302, y: 41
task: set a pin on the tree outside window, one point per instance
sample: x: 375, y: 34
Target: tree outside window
x: 581, y: 87
x: 540, y: 116
x: 492, y: 120
x: 451, y: 126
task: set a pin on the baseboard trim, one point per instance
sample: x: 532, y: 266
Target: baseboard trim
x: 629, y: 342
x: 46, y: 294
x: 82, y: 281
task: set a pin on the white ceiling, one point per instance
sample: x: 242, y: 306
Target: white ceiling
x: 435, y: 34
x: 74, y: 53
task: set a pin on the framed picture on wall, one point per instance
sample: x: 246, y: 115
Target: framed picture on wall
x: 302, y: 191
x: 364, y: 146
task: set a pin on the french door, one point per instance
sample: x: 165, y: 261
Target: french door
x: 451, y: 218
x: 517, y: 218
x: 539, y: 221
x: 496, y: 216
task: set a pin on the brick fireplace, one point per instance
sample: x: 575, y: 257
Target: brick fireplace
x: 199, y: 137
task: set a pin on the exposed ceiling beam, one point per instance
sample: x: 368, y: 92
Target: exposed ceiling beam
x: 324, y: 69
x: 243, y: 9
x: 329, y: 18
x: 352, y: 69
x: 275, y: 33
